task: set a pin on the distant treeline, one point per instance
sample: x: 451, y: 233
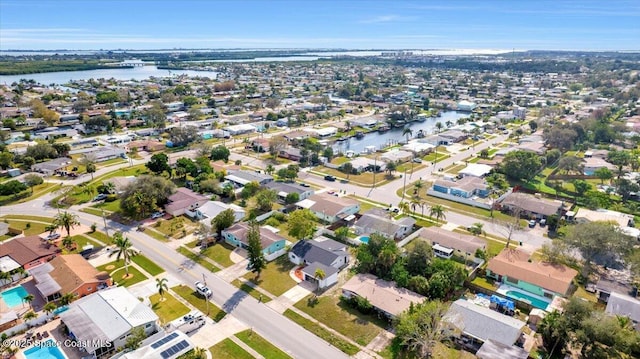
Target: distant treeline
x: 16, y: 67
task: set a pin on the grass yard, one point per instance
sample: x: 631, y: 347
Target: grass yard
x: 321, y: 332
x: 198, y: 259
x: 275, y: 277
x: 33, y: 227
x: 168, y: 309
x: 197, y: 301
x: 99, y: 236
x: 155, y: 234
x: 93, y: 211
x: 117, y: 272
x: 484, y: 283
x: 227, y: 349
x: 146, y: 264
x: 220, y: 253
x: 80, y: 241
x: 363, y: 179
x: 125, y: 171
x: 433, y: 157
x: 250, y: 290
x: 454, y: 169
x: 347, y: 321
x: 113, y: 206
x: 25, y: 217
x: 261, y: 345
x: 40, y: 190
x: 176, y: 227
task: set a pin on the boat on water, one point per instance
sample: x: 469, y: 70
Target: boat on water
x: 359, y: 135
x: 383, y: 128
x: 342, y: 139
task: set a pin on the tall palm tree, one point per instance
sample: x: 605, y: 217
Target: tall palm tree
x: 29, y: 315
x: 437, y: 212
x: 416, y: 187
x: 67, y: 221
x: 439, y: 127
x: 67, y: 298
x: 49, y: 307
x: 29, y: 299
x: 404, y: 207
x: 123, y: 251
x: 270, y: 169
x: 161, y: 284
x: 415, y: 202
x: 408, y: 132
x: 319, y: 275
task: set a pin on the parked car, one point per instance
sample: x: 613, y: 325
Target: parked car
x: 304, y: 184
x: 157, y: 215
x: 532, y: 223
x: 543, y: 222
x: 99, y: 197
x: 417, y: 160
x: 329, y: 178
x: 203, y: 290
x: 52, y: 236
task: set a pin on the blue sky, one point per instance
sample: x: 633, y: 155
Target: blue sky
x: 163, y: 24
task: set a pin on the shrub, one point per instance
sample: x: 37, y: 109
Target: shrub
x: 111, y: 198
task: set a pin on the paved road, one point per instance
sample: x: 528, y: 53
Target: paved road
x: 282, y: 332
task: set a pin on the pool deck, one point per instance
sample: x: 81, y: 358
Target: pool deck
x: 504, y: 288
x: 29, y: 285
x: 54, y: 328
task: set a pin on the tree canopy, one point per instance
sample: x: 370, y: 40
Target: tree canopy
x: 145, y: 195
x: 301, y: 223
x: 521, y: 165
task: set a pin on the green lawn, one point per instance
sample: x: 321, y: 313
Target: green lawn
x: 93, y: 211
x: 220, y: 253
x: 197, y: 301
x: 117, y: 273
x: 484, y: 283
x: 155, y: 234
x: 198, y: 259
x: 99, y: 236
x: 321, y: 332
x: 146, y: 264
x: 227, y: 349
x: 80, y: 241
x: 38, y: 191
x: 262, y: 346
x: 364, y: 179
x: 250, y: 290
x: 347, y: 321
x: 113, y: 206
x: 174, y: 227
x: 168, y: 309
x: 33, y: 227
x: 275, y: 277
x: 25, y: 217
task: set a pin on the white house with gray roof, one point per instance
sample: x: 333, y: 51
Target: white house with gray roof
x: 241, y: 178
x: 378, y: 221
x: 320, y: 253
x: 626, y: 306
x: 283, y: 189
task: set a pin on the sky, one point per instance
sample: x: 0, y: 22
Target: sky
x: 188, y: 24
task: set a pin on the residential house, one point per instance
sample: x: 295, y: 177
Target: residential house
x: 105, y: 153
x: 324, y: 132
x: 467, y: 106
x: 462, y: 245
x: 260, y: 145
x: 397, y: 156
x: 383, y: 295
x: 283, y: 189
x: 119, y: 183
x: 466, y: 187
x: 454, y: 136
x: 211, y: 209
x: 378, y: 221
x: 26, y: 252
x: 531, y: 206
x: 69, y: 273
x: 170, y: 346
x: 363, y: 164
x: 241, y: 178
x: 625, y: 306
x: 49, y: 168
x: 536, y: 147
x: 145, y: 145
x: 320, y: 253
x: 496, y: 350
x: 331, y: 208
x: 367, y: 122
x: 291, y: 153
x: 184, y: 200
x: 475, y: 170
x: 593, y: 163
x: 103, y: 321
x: 514, y: 267
x: 418, y: 147
x: 585, y: 215
x: 479, y: 324
x: 297, y: 135
x: 240, y: 129
x: 273, y: 245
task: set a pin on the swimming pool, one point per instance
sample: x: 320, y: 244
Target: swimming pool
x: 538, y: 303
x: 364, y: 239
x: 45, y: 350
x: 13, y: 297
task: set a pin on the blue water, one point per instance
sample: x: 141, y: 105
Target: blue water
x: 364, y: 239
x: 13, y: 297
x: 61, y: 309
x: 538, y: 303
x: 45, y: 350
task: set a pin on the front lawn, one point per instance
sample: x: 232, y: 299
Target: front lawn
x: 346, y: 320
x: 261, y: 345
x: 117, y: 272
x: 169, y: 308
x: 199, y: 302
x: 198, y: 258
x: 100, y: 237
x: 176, y: 227
x: 80, y: 241
x: 250, y: 290
x: 275, y: 277
x: 30, y: 228
x: 113, y: 206
x: 227, y: 349
x: 220, y: 253
x: 146, y: 264
x: 322, y: 333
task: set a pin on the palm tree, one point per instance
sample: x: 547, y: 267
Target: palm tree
x: 124, y: 250
x: 5, y: 276
x: 270, y: 169
x: 319, y: 275
x: 437, y: 212
x: 415, y: 202
x: 67, y: 298
x: 29, y: 315
x: 439, y: 127
x: 407, y: 131
x: 404, y: 207
x: 416, y: 187
x: 391, y: 166
x: 347, y: 168
x: 476, y: 228
x: 68, y: 242
x: 161, y: 284
x: 448, y: 123
x: 49, y: 307
x: 28, y: 299
x: 67, y: 221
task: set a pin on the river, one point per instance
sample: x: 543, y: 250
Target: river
x: 393, y: 136
x: 136, y: 73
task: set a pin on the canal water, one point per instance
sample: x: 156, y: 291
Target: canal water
x: 394, y: 136
x: 124, y: 74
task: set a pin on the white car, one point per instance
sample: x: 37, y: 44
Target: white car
x: 203, y: 290
x: 157, y: 215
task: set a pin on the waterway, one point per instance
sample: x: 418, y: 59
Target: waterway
x: 124, y: 74
x: 394, y: 136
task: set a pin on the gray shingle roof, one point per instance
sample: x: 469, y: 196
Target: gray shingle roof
x: 314, y: 251
x: 624, y: 305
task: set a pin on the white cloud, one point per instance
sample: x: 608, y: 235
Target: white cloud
x: 387, y: 19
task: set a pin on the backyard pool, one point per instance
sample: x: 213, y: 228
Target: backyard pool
x: 45, y: 350
x: 364, y: 239
x: 13, y: 297
x: 538, y: 303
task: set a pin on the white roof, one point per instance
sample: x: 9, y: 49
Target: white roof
x: 444, y: 249
x: 306, y: 203
x: 213, y: 208
x: 240, y: 127
x: 587, y: 215
x: 7, y: 264
x: 416, y: 146
x: 325, y: 131
x: 476, y: 170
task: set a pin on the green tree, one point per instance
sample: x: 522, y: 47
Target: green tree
x: 135, y: 339
x: 319, y: 275
x: 347, y: 168
x: 6, y: 160
x: 29, y: 298
x: 301, y: 223
x: 343, y: 232
x: 581, y: 187
x: 123, y: 250
x: 155, y: 115
x: 158, y: 163
x: 32, y: 180
x: 625, y: 188
x: 29, y: 316
x: 620, y: 159
x: 277, y: 144
x: 145, y: 194
x: 67, y: 221
x: 437, y: 212
x: 220, y: 153
x: 476, y: 229
x: 68, y: 242
x: 91, y: 169
x: 418, y: 258
x: 407, y: 132
x: 521, y: 165
x: 223, y: 220
x: 49, y: 307
x: 257, y: 262
x: 162, y: 286
x: 292, y: 198
x: 600, y: 240
x: 265, y: 199
x: 420, y: 328
x: 66, y: 299
x: 391, y: 167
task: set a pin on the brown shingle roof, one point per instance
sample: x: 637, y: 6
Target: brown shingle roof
x: 71, y: 271
x: 382, y: 294
x: 515, y: 264
x: 330, y: 205
x: 532, y: 204
x: 27, y: 249
x: 463, y: 242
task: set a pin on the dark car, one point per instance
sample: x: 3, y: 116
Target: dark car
x: 329, y: 178
x: 304, y: 184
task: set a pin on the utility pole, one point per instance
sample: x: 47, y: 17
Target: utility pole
x: 204, y: 281
x: 106, y: 229
x: 404, y: 186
